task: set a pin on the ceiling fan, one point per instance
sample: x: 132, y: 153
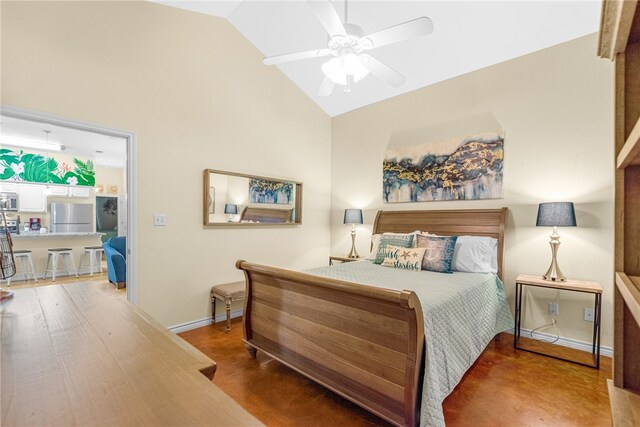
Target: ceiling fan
x: 347, y: 44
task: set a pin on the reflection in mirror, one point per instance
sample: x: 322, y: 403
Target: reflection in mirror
x: 234, y: 198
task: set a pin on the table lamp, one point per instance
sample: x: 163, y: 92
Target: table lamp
x: 230, y: 210
x: 555, y: 214
x: 353, y: 217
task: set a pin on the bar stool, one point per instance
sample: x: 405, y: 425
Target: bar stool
x: 67, y: 257
x: 95, y: 255
x: 24, y: 256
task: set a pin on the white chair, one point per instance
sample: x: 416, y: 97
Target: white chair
x: 67, y: 258
x: 95, y: 256
x: 24, y: 256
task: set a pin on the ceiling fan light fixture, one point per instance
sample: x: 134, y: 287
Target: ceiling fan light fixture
x: 347, y: 43
x: 337, y: 69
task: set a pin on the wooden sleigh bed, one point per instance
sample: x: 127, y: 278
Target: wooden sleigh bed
x: 364, y: 343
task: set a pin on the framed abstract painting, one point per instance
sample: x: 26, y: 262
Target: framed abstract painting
x: 267, y: 191
x: 467, y: 168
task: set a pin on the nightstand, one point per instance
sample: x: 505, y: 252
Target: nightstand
x: 342, y: 259
x: 568, y: 285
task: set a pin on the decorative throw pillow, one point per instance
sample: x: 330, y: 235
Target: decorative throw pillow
x: 439, y: 252
x: 405, y: 258
x: 401, y: 240
x: 375, y: 242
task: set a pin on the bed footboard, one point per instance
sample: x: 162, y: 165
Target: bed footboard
x: 362, y: 342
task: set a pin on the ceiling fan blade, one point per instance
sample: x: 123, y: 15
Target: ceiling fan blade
x: 407, y: 30
x: 326, y: 87
x: 382, y: 71
x: 279, y: 59
x: 328, y: 17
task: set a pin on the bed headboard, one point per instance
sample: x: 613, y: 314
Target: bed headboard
x: 463, y: 222
x: 268, y: 215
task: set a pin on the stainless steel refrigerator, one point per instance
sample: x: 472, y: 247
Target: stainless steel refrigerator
x: 71, y: 218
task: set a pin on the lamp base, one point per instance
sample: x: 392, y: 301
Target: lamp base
x: 353, y: 253
x: 554, y: 274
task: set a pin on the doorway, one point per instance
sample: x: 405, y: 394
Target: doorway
x: 98, y: 159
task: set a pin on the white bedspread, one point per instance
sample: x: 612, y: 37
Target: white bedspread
x: 462, y: 313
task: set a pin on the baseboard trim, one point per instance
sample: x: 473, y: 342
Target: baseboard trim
x: 567, y: 342
x: 187, y: 326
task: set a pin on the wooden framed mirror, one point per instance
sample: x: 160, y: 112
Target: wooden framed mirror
x: 233, y: 199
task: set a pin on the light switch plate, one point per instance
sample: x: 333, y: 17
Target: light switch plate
x: 159, y: 219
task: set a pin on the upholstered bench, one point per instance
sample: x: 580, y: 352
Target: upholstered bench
x: 228, y: 292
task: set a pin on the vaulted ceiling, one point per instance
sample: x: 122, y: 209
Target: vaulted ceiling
x: 467, y: 36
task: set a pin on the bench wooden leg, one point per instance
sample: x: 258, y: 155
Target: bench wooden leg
x: 228, y: 303
x: 213, y: 309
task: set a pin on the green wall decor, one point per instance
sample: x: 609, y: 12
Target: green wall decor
x: 28, y: 167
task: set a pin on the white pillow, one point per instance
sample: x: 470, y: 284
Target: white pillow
x: 494, y: 259
x: 475, y: 254
x: 375, y: 242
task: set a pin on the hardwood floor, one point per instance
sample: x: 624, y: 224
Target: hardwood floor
x: 97, y: 277
x: 504, y: 387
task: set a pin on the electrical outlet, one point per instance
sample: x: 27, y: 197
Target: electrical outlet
x: 159, y: 219
x: 588, y: 314
x: 553, y: 309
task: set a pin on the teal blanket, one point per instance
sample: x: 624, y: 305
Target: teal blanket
x: 462, y: 313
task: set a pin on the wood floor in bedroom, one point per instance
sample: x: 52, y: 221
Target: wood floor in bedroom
x: 505, y: 387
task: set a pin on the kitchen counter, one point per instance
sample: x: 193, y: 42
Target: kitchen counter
x: 35, y: 234
x: 39, y: 244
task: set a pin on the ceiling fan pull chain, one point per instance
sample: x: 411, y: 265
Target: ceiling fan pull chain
x: 346, y: 11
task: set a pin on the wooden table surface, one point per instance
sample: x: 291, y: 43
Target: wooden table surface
x: 80, y: 354
x: 568, y: 285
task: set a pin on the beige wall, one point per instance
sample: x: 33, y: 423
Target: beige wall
x: 556, y: 109
x: 197, y: 96
x: 109, y: 177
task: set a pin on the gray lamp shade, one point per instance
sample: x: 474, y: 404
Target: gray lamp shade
x: 556, y: 214
x: 353, y: 216
x: 231, y: 209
